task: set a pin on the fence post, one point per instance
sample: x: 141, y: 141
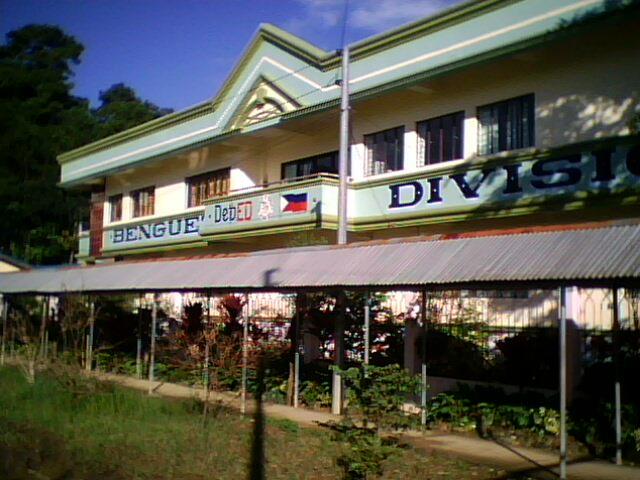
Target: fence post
x: 423, y: 379
x: 562, y: 320
x: 205, y: 379
x: 5, y: 312
x: 617, y: 387
x: 152, y: 348
x: 139, y: 340
x: 367, y: 327
x: 92, y: 312
x: 43, y: 324
x: 338, y: 351
x: 296, y: 357
x: 245, y: 356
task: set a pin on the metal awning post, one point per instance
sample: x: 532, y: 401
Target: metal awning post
x: 296, y: 357
x: 562, y: 321
x: 92, y: 313
x: 617, y: 393
x: 5, y: 315
x: 207, y: 327
x: 367, y: 327
x: 423, y: 370
x: 245, y: 355
x: 338, y: 352
x: 152, y: 346
x: 139, y: 340
x: 43, y: 324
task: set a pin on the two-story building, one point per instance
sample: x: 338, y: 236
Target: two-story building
x: 495, y: 114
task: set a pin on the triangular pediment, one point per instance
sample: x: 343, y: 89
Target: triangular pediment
x: 263, y: 101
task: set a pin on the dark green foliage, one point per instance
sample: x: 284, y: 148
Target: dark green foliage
x: 122, y: 109
x: 593, y: 424
x: 379, y: 393
x: 40, y: 118
x: 365, y: 451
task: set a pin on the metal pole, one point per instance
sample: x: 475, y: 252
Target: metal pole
x: 139, y: 340
x: 423, y: 378
x: 43, y: 325
x: 205, y: 380
x: 152, y: 348
x: 344, y: 149
x: 245, y: 356
x: 296, y: 379
x: 296, y: 358
x: 562, y: 320
x: 92, y: 312
x: 338, y: 342
x: 367, y: 328
x: 616, y: 344
x: 5, y: 311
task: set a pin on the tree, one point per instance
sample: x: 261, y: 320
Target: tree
x: 36, y: 110
x: 122, y: 109
x: 39, y: 119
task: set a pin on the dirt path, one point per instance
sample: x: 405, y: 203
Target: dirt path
x: 516, y: 460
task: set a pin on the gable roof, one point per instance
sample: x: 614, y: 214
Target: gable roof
x: 454, y: 38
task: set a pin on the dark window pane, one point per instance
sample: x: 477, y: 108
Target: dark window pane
x: 506, y: 125
x: 384, y: 151
x: 324, y: 163
x: 441, y: 139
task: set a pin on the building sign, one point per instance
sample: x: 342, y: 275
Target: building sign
x: 280, y: 207
x: 153, y: 233
x: 500, y: 187
x: 495, y: 188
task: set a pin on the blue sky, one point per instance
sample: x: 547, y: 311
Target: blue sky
x: 177, y: 53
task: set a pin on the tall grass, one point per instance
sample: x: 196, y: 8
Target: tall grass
x: 109, y: 430
x: 72, y: 427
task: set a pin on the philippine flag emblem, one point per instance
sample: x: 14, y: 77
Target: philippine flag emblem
x: 293, y: 202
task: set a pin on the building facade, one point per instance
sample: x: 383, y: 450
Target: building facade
x: 493, y: 116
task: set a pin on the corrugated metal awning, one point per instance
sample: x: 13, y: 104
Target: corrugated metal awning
x: 599, y: 256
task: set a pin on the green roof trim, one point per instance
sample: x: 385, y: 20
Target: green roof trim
x: 382, y: 63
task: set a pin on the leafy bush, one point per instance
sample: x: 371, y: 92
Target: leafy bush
x: 365, y: 451
x: 463, y: 414
x: 315, y: 394
x: 379, y: 394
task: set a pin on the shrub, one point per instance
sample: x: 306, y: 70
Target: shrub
x: 379, y: 394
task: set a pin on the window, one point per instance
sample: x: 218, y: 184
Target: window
x: 384, y: 151
x: 324, y: 163
x: 143, y: 201
x: 115, y: 208
x: 506, y: 125
x: 440, y: 139
x: 208, y: 185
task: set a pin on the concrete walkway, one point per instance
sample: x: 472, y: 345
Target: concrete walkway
x: 520, y: 462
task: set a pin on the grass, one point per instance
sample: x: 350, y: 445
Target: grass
x: 67, y: 427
